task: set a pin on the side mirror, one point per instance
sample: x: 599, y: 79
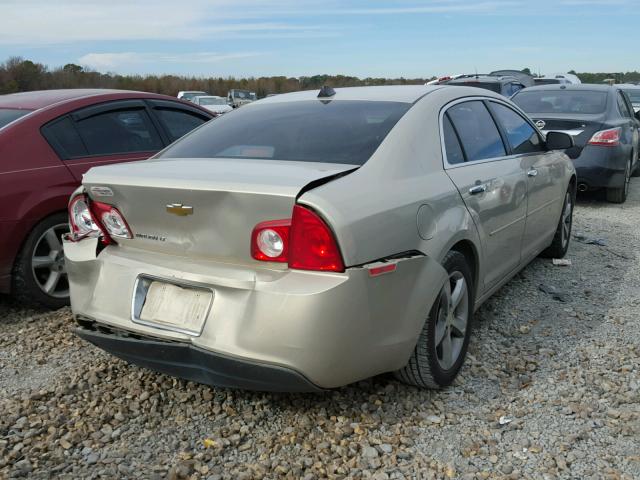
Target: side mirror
x: 559, y: 141
x: 637, y: 115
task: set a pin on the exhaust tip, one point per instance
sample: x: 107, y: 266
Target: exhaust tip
x: 582, y: 187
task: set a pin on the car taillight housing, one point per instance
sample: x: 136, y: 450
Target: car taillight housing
x: 96, y: 219
x: 305, y: 242
x: 606, y: 138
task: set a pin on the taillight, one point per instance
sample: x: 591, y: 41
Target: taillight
x: 305, y: 242
x: 313, y: 246
x: 270, y: 240
x: 96, y: 219
x: 607, y: 138
x: 81, y: 220
x: 111, y: 220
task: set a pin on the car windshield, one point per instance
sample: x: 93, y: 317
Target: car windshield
x: 634, y: 95
x: 338, y: 131
x: 8, y: 115
x: 212, y: 101
x: 561, y: 101
x: 190, y: 95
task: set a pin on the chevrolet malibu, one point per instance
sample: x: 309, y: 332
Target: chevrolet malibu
x: 313, y: 239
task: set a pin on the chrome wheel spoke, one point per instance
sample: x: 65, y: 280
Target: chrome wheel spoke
x: 52, y: 240
x: 459, y: 292
x: 42, y: 261
x: 441, y: 330
x: 52, y: 282
x: 446, y: 351
x: 459, y: 324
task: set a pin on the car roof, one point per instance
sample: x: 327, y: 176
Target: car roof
x: 44, y: 98
x: 627, y: 86
x: 389, y: 93
x: 573, y: 86
x: 484, y: 78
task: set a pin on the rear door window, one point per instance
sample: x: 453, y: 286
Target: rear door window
x: 178, y: 123
x: 522, y: 137
x: 477, y: 131
x: 453, y: 149
x: 64, y: 138
x: 119, y: 131
x: 622, y: 106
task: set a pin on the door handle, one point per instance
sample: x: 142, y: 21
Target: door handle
x: 532, y: 173
x: 477, y: 189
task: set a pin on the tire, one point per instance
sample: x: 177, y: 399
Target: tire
x: 619, y: 195
x: 428, y: 366
x: 562, y: 237
x: 40, y: 261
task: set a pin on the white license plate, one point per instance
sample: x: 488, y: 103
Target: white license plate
x: 172, y: 307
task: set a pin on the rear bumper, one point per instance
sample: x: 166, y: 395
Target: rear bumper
x: 601, y: 167
x: 330, y: 329
x: 193, y: 363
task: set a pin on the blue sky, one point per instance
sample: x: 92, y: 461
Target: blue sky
x: 409, y: 38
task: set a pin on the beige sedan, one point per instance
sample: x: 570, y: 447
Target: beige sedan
x: 313, y: 239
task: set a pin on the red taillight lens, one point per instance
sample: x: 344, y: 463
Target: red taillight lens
x: 270, y: 241
x: 606, y: 138
x: 312, y: 244
x: 305, y: 242
x: 110, y: 220
x: 81, y: 221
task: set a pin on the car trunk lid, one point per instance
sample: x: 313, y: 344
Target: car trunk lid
x: 580, y: 127
x: 203, y: 208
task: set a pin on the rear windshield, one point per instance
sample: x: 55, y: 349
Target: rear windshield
x: 546, y: 81
x: 561, y: 101
x: 338, y: 131
x: 9, y: 115
x: 493, y: 86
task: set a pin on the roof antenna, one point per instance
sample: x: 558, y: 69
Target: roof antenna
x: 476, y: 68
x: 326, y: 91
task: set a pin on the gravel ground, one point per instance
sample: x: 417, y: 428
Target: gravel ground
x: 550, y: 390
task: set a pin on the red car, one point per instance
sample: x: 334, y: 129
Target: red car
x: 48, y: 140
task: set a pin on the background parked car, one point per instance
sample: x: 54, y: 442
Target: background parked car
x: 633, y: 92
x: 216, y: 105
x: 601, y: 120
x: 236, y: 97
x: 505, y: 85
x: 190, y: 94
x: 558, y: 79
x: 48, y: 140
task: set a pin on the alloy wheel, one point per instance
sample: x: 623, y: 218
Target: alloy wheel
x: 451, y: 322
x: 566, y: 219
x: 47, y: 262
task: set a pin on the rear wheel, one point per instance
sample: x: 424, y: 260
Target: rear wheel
x: 444, y: 339
x: 562, y: 238
x: 39, y: 274
x: 619, y: 195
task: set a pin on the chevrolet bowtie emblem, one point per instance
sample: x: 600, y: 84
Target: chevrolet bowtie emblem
x: 179, y: 209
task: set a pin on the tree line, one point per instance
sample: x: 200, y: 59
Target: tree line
x: 20, y: 75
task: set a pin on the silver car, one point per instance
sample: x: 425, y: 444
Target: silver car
x: 313, y: 239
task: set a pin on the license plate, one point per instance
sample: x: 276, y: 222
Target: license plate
x: 173, y: 307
